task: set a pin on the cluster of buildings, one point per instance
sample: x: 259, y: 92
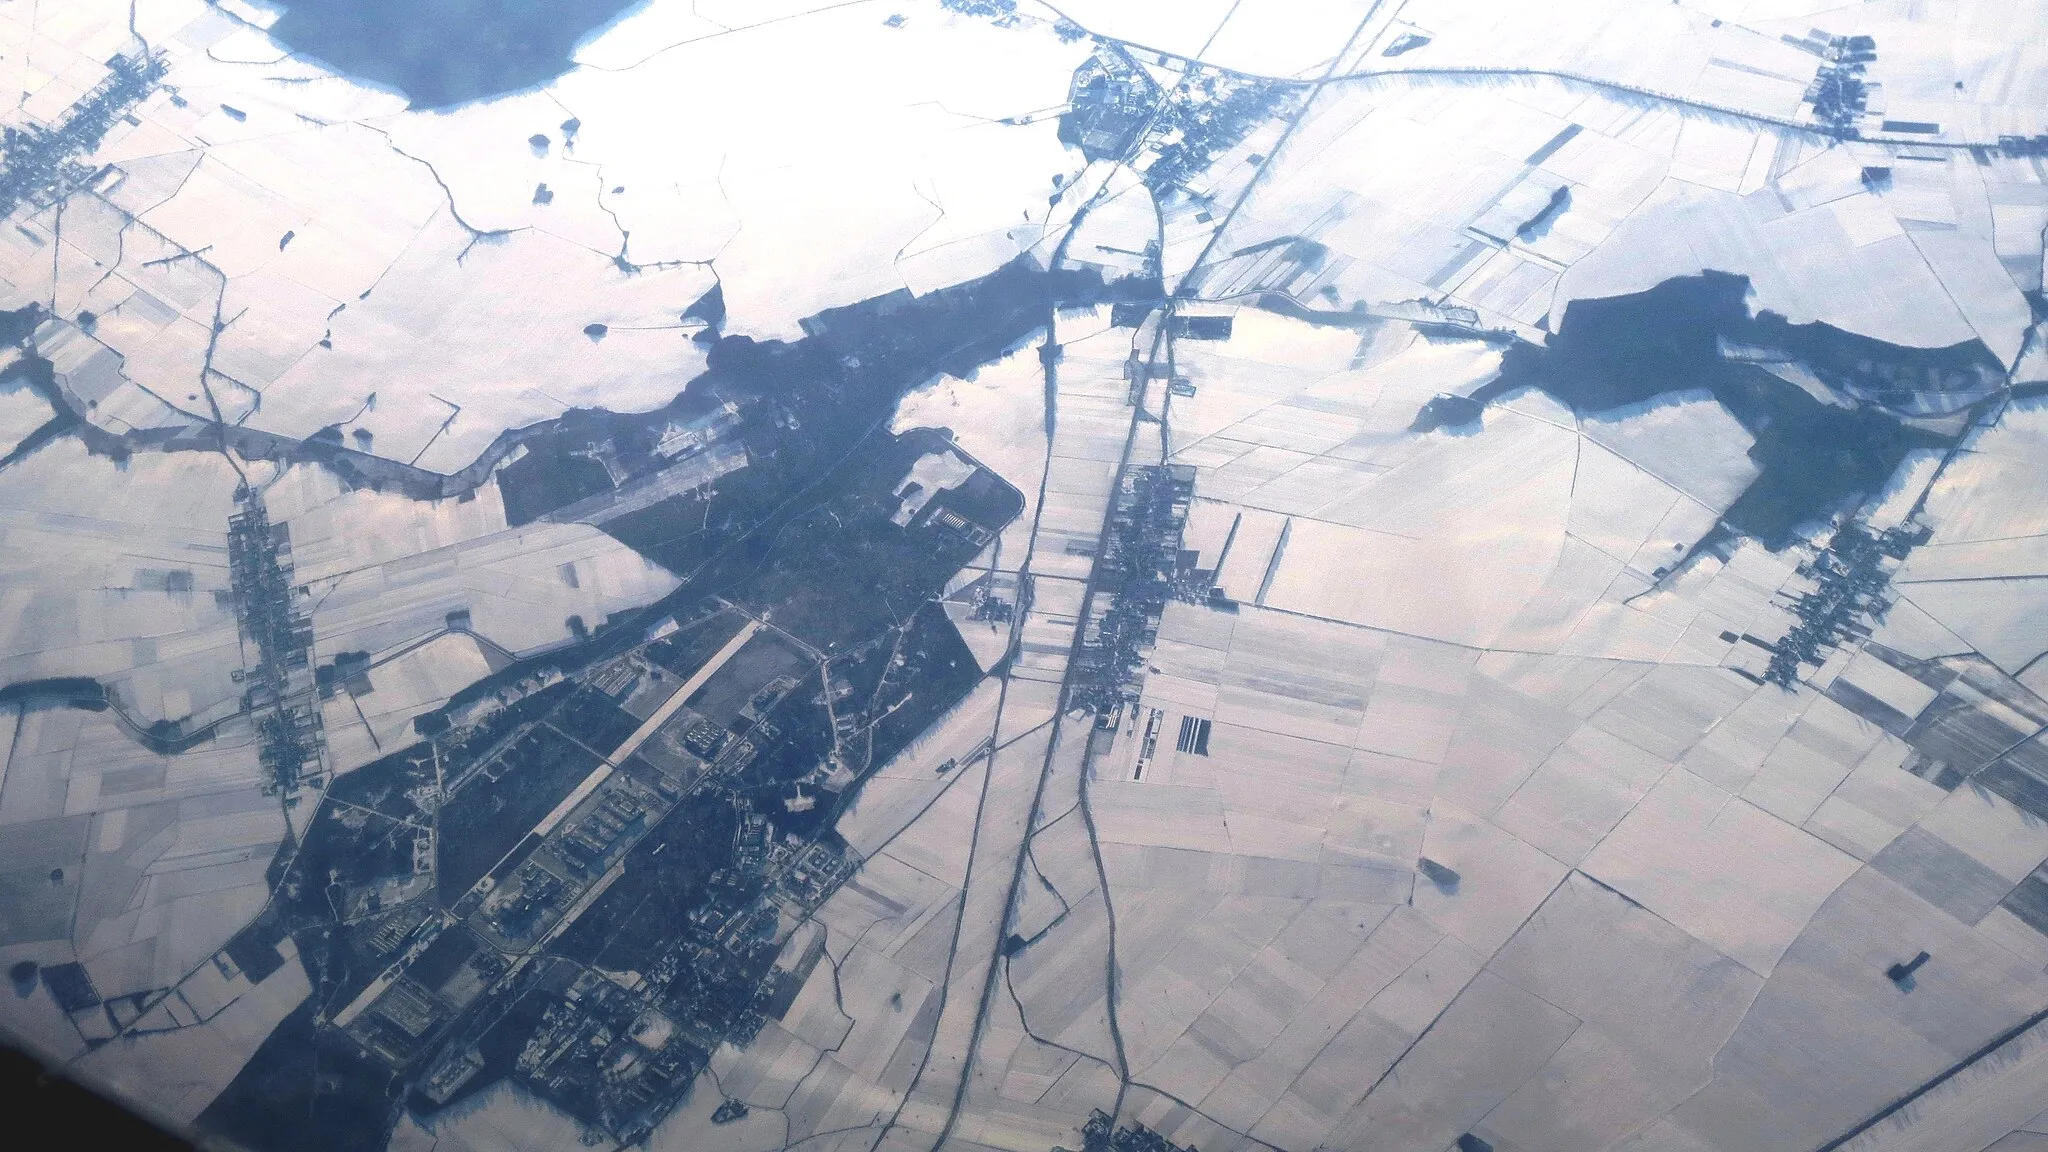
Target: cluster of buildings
x: 35, y: 162
x: 574, y: 858
x: 622, y: 1055
x: 1113, y: 102
x: 1101, y: 1134
x: 615, y: 1043
x: 1110, y: 101
x: 605, y: 1045
x: 1211, y: 112
x: 282, y: 689
x: 1850, y: 582
x: 443, y: 971
x: 1838, y: 92
x: 679, y: 439
x: 1138, y: 571
x: 2014, y: 145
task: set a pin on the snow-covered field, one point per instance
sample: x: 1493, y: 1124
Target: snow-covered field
x: 1519, y: 793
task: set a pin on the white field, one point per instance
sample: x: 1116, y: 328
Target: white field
x: 1592, y: 743
x: 124, y: 588
x: 1539, y: 531
x: 1664, y: 896
x: 998, y: 416
x: 1367, y: 751
x: 386, y: 571
x: 21, y: 412
x: 946, y: 189
x: 393, y: 272
x: 1280, y: 951
x: 175, y: 1075
x: 502, y: 1119
x: 88, y: 586
x: 1984, y: 575
x: 362, y: 728
x: 1657, y: 189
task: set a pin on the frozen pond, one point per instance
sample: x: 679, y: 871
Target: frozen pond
x: 443, y: 52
